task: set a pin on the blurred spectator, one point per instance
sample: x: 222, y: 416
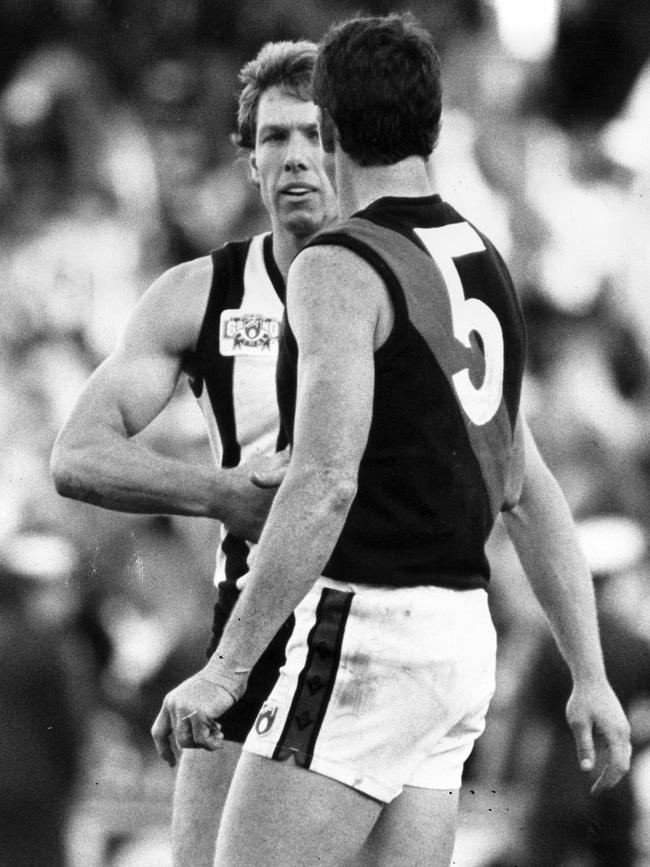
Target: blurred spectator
x: 600, y: 48
x: 44, y: 699
x: 565, y: 825
x: 582, y: 400
x: 153, y: 612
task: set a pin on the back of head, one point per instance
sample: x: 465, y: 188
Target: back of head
x: 379, y: 80
x: 288, y: 65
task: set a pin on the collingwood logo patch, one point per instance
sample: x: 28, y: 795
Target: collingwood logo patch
x: 265, y: 719
x: 248, y: 333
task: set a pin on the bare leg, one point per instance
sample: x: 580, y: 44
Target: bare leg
x: 280, y: 815
x: 202, y: 783
x: 417, y: 829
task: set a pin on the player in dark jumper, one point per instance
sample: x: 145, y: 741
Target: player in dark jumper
x: 399, y: 383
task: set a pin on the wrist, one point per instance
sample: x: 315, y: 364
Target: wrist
x: 589, y: 676
x: 227, y: 674
x: 224, y: 491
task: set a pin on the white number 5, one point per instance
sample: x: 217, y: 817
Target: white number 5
x: 469, y: 314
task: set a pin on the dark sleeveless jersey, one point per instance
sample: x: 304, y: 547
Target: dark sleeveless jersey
x: 439, y: 462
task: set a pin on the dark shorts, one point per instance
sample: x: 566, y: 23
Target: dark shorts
x: 237, y: 722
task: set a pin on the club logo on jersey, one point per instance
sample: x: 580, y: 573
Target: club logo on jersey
x: 265, y: 719
x: 248, y: 333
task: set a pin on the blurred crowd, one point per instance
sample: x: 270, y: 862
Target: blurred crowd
x: 116, y: 163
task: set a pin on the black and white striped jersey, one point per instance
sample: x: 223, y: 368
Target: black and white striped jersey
x: 233, y: 371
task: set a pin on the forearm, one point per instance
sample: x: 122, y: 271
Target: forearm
x: 128, y: 476
x: 303, y: 526
x: 333, y: 415
x: 542, y: 531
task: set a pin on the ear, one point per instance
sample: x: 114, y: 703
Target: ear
x: 255, y: 175
x: 327, y: 131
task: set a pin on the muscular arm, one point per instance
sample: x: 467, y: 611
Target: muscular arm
x: 542, y: 531
x: 337, y: 308
x: 96, y: 457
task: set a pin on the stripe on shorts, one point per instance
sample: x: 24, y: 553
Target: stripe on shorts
x: 316, y: 680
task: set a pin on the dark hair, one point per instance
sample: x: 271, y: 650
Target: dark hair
x: 288, y: 65
x: 379, y: 80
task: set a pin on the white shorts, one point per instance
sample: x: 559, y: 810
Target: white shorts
x: 383, y: 687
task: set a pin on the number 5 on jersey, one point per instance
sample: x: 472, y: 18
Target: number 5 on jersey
x: 468, y: 314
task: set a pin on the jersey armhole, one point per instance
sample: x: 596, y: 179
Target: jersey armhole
x: 224, y: 264
x: 379, y: 265
x: 515, y: 480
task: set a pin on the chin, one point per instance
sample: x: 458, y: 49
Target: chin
x: 303, y: 224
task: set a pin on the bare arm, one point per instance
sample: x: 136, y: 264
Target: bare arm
x: 96, y: 457
x: 335, y: 329
x: 542, y: 531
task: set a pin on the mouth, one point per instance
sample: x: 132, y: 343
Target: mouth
x: 297, y: 191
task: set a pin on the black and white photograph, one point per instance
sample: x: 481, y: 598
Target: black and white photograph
x: 325, y: 433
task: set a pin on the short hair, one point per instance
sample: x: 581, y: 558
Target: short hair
x: 379, y: 80
x: 286, y: 64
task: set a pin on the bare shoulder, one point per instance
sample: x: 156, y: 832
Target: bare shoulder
x: 334, y: 266
x: 171, y: 311
x: 184, y: 286
x: 327, y: 282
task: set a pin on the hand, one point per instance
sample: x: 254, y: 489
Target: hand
x: 272, y: 473
x: 188, y: 718
x: 602, y: 734
x: 254, y: 485
x: 266, y: 474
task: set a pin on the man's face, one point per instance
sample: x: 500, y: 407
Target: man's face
x: 287, y: 163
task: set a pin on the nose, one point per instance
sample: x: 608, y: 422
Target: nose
x: 295, y: 158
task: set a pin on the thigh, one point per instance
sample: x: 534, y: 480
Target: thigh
x: 202, y: 783
x: 417, y: 829
x: 281, y: 815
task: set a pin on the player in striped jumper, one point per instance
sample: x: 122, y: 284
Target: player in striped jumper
x: 215, y: 319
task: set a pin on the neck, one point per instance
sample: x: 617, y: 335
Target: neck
x: 359, y: 186
x: 286, y: 247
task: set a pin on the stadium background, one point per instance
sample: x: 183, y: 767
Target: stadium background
x: 115, y: 163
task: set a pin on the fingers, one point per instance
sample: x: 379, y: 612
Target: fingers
x: 610, y: 775
x: 268, y: 478
x: 183, y: 734
x: 272, y: 475
x: 609, y: 752
x: 607, y: 778
x: 188, y: 718
x: 196, y: 731
x: 206, y: 732
x: 191, y: 731
x: 161, y: 732
x: 584, y: 746
x: 617, y: 753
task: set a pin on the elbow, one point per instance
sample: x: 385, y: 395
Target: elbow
x: 326, y: 493
x: 519, y: 522
x: 341, y: 490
